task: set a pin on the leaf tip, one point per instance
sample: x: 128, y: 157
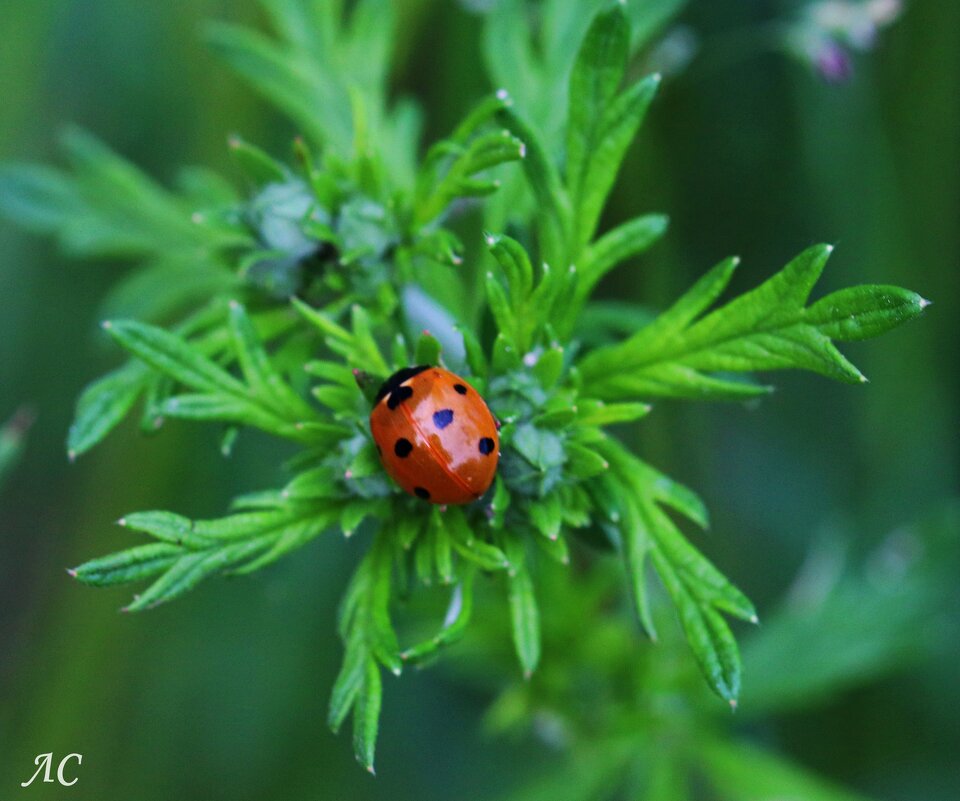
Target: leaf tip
x: 923, y: 302
x: 71, y: 456
x: 733, y: 704
x: 122, y: 521
x: 72, y: 572
x: 754, y: 619
x: 106, y: 325
x: 504, y: 97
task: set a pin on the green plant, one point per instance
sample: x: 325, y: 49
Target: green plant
x: 280, y: 307
x: 627, y: 721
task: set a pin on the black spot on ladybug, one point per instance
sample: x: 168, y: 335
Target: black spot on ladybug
x: 486, y: 446
x: 420, y: 492
x: 398, y: 396
x: 403, y: 447
x: 388, y: 386
x: 460, y: 388
x: 443, y: 418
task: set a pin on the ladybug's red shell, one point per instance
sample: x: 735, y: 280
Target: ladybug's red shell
x: 436, y: 437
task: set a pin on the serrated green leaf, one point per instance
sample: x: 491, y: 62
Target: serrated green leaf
x: 767, y: 328
x: 103, y: 404
x: 594, y: 82
x: 862, y: 312
x: 554, y: 219
x: 613, y: 248
x: 170, y: 354
x: 366, y: 714
x: 616, y: 131
x: 436, y: 192
x: 133, y: 564
x: 369, y: 640
x: 696, y: 587
x: 707, y: 633
x: 524, y: 617
x: 347, y: 685
x: 196, y: 549
x: 514, y: 262
x: 192, y: 567
x: 258, y: 370
x: 168, y: 527
x: 705, y: 582
x: 295, y: 90
x: 637, y: 545
x: 290, y: 539
x: 598, y: 413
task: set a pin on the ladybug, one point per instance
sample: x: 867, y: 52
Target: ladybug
x: 435, y: 435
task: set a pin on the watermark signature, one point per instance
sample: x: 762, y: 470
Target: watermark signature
x: 44, y: 763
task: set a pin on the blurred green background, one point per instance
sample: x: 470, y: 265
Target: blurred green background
x: 223, y: 694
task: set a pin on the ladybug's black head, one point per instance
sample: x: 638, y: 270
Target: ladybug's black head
x: 397, y: 379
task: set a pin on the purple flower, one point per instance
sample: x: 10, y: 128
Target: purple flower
x: 832, y: 62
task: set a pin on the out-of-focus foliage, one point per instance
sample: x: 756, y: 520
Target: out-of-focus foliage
x: 668, y: 740
x: 12, y: 436
x: 762, y: 188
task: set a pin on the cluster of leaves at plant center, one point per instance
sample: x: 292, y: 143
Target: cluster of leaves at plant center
x: 331, y: 269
